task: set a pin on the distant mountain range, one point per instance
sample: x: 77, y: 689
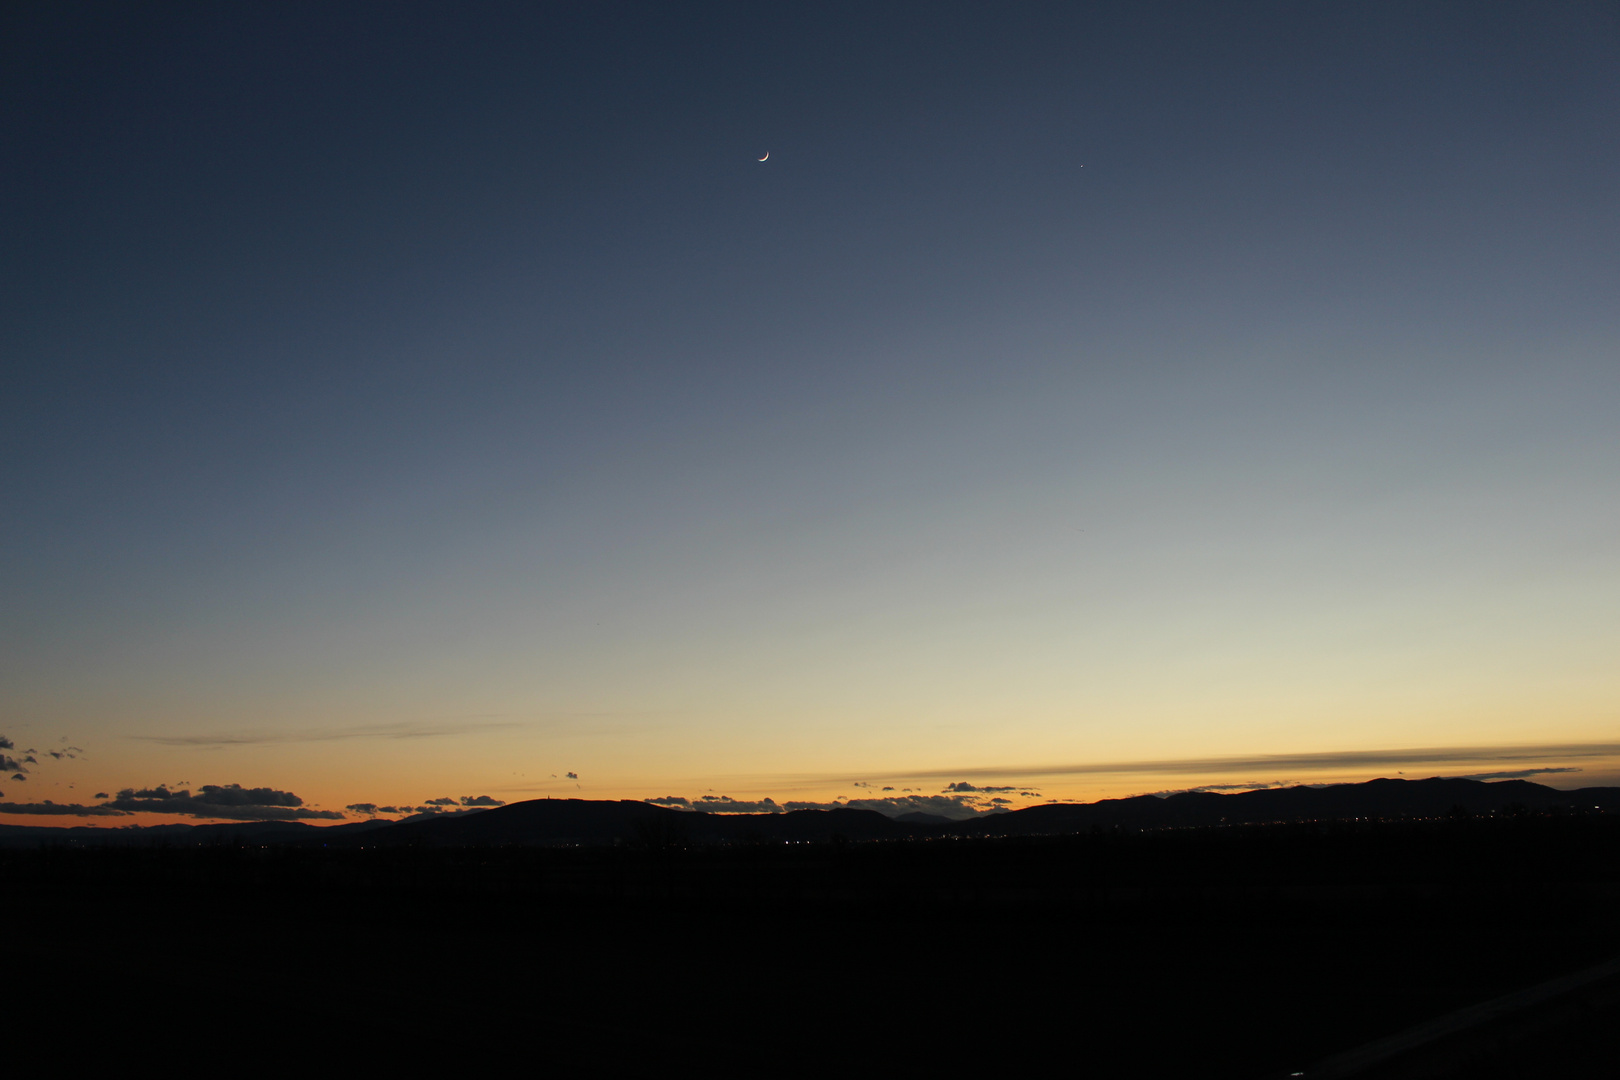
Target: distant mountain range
x: 1373, y: 799
x: 586, y: 822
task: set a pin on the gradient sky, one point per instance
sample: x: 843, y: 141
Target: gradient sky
x: 401, y: 401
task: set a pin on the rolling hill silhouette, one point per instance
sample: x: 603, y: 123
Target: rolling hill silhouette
x: 583, y: 821
x: 1384, y: 798
x: 589, y: 822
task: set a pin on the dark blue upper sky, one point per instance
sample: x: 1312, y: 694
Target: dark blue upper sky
x: 319, y: 321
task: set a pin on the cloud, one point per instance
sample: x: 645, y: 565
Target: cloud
x: 956, y: 807
x: 1338, y: 759
x: 467, y: 804
x: 101, y: 795
x: 1202, y: 788
x: 965, y: 801
x: 370, y: 731
x: 573, y: 776
x: 18, y: 768
x: 237, y: 795
x: 1514, y: 774
x: 230, y: 801
x: 59, y: 809
x: 725, y: 804
x: 433, y: 806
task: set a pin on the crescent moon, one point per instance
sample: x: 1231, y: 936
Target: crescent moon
x: 767, y: 154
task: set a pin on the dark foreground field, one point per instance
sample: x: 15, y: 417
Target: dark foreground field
x: 1251, y: 951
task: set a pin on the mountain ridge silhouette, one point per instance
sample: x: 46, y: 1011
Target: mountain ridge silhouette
x: 565, y: 822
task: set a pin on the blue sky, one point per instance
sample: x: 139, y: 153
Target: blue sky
x: 1074, y: 383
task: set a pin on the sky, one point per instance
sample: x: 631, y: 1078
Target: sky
x: 421, y: 401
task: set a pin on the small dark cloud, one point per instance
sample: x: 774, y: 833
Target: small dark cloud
x: 481, y: 800
x: 955, y: 807
x: 7, y: 744
x: 963, y: 785
x: 237, y: 795
x: 441, y: 802
x: 573, y: 776
x: 725, y: 804
x: 31, y: 759
x: 230, y: 801
x: 435, y: 807
x: 102, y: 795
x: 1254, y: 785
x: 18, y: 776
x: 1514, y: 774
x: 59, y: 809
x: 10, y: 764
x: 438, y: 811
x: 368, y: 808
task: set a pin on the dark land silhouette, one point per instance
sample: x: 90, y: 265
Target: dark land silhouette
x: 596, y: 937
x: 591, y: 822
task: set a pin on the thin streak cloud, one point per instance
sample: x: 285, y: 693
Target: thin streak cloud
x: 377, y: 731
x: 1338, y: 759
